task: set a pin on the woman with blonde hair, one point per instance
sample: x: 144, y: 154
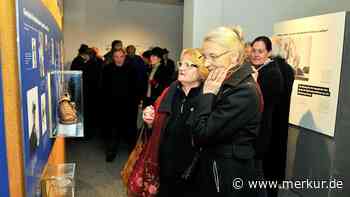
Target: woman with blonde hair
x: 168, y: 119
x: 227, y: 117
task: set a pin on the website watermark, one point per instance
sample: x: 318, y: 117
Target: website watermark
x: 238, y: 184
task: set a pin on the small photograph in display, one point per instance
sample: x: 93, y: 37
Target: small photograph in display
x: 52, y: 51
x: 33, y: 119
x: 41, y: 55
x: 43, y: 114
x: 34, y: 54
x: 298, y: 55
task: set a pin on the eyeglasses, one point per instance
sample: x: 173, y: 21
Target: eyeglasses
x: 214, y: 57
x: 186, y: 64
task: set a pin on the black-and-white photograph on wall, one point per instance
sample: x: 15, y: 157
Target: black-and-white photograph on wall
x: 34, y: 55
x: 43, y: 114
x: 298, y: 49
x: 33, y: 119
x: 41, y: 55
x: 52, y: 51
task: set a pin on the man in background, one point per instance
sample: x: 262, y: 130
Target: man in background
x: 120, y: 93
x: 116, y: 44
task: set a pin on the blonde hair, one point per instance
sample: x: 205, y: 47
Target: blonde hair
x: 196, y: 58
x: 230, y: 38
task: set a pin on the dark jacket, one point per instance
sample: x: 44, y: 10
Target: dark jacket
x: 176, y: 150
x: 108, y: 58
x: 271, y: 84
x: 226, y: 127
x: 170, y: 64
x: 141, y: 68
x: 278, y: 147
x: 78, y: 63
x: 162, y: 79
x: 119, y: 90
x: 92, y: 92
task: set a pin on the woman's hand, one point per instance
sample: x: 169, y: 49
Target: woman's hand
x: 214, y: 81
x: 148, y: 115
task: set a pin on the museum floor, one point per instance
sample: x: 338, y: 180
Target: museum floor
x: 97, y: 178
x: 94, y: 176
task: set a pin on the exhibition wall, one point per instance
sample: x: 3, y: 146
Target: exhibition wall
x: 11, y: 97
x: 258, y: 17
x: 200, y: 17
x: 40, y: 47
x: 98, y: 23
x: 254, y: 16
x: 318, y: 137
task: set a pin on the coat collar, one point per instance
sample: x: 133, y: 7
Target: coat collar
x: 174, y: 88
x: 241, y: 74
x: 165, y: 105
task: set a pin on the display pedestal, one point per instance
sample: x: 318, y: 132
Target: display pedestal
x: 58, y: 181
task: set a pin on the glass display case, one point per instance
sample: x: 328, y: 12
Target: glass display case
x: 58, y: 180
x: 66, y: 104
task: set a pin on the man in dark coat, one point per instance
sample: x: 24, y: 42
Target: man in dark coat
x: 80, y: 64
x: 271, y: 83
x: 120, y: 98
x: 91, y: 90
x: 82, y: 57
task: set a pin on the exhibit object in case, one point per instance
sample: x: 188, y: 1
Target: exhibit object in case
x: 66, y: 104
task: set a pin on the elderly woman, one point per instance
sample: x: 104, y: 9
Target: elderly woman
x: 177, y: 103
x: 227, y: 118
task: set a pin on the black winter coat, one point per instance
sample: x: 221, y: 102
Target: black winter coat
x: 176, y: 150
x: 120, y: 93
x: 141, y: 68
x: 162, y: 79
x: 226, y: 127
x: 271, y: 84
x: 78, y: 63
x: 279, y: 140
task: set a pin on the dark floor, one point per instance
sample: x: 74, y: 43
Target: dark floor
x: 94, y: 176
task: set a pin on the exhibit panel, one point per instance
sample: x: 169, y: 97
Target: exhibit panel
x: 40, y: 46
x: 314, y: 47
x: 318, y: 139
x: 4, y: 184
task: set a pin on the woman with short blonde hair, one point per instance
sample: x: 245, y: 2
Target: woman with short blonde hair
x: 168, y: 119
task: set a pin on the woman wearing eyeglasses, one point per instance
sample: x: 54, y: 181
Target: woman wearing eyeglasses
x: 227, y: 118
x: 169, y: 116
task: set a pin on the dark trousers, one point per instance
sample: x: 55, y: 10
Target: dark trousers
x: 121, y: 130
x: 176, y: 187
x: 272, y: 172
